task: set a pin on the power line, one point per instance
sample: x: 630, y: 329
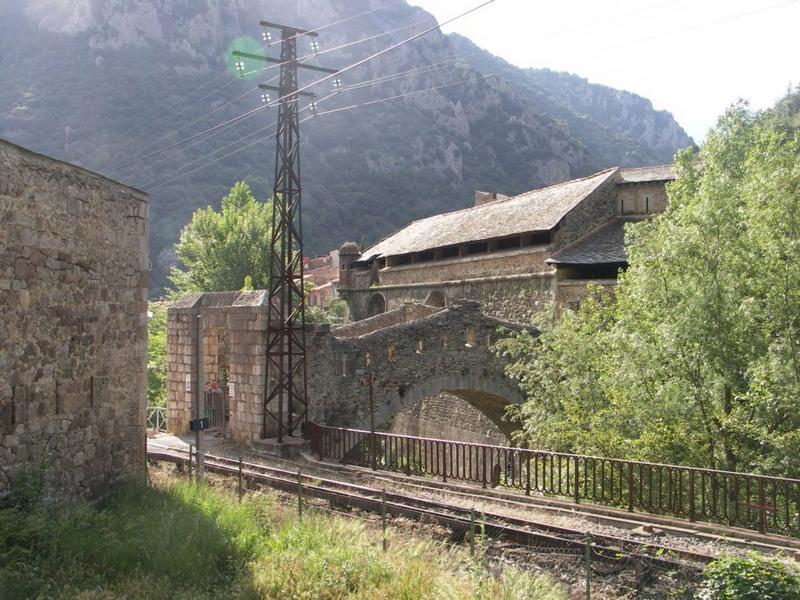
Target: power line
x: 307, y: 57
x: 698, y: 26
x: 360, y: 85
x: 346, y: 19
x: 176, y: 103
x: 202, y: 158
x: 380, y: 100
x: 217, y: 127
x: 351, y: 107
x: 303, y: 89
x: 357, y: 86
x: 390, y: 48
x: 303, y: 60
x: 325, y: 78
x: 227, y: 83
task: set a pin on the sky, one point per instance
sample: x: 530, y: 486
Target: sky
x: 690, y: 57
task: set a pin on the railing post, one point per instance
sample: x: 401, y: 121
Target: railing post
x: 483, y: 478
x: 299, y: 495
x: 190, y: 461
x: 691, y: 496
x: 527, y: 474
x: 630, y: 487
x: 445, y: 461
x: 577, y: 484
x: 240, y: 478
x: 762, y: 507
x: 383, y: 518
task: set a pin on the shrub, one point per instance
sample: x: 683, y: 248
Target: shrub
x: 749, y: 578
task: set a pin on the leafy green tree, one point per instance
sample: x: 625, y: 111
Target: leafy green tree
x: 157, y: 354
x: 226, y: 250
x: 696, y: 359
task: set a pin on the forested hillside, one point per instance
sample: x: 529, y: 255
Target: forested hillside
x: 101, y: 82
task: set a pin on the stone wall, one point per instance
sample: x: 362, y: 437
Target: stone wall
x: 448, y: 417
x: 409, y: 311
x: 448, y: 351
x: 515, y: 298
x: 572, y: 291
x: 508, y: 262
x: 73, y: 287
x: 241, y: 319
x: 643, y: 198
x: 597, y: 208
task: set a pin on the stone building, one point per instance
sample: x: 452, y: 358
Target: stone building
x: 322, y: 273
x: 73, y: 360
x: 515, y: 255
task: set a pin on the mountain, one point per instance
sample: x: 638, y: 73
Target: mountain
x: 102, y: 82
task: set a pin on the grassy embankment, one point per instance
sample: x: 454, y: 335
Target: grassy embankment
x: 177, y: 540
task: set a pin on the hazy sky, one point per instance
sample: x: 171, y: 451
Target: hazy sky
x: 690, y: 57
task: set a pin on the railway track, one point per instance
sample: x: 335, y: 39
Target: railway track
x: 531, y: 534
x: 618, y: 518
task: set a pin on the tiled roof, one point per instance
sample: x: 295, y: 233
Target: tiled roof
x: 537, y: 210
x: 643, y: 174
x: 605, y: 245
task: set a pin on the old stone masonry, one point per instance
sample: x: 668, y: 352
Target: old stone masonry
x: 413, y: 352
x: 73, y: 358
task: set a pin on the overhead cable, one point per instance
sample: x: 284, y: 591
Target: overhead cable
x: 342, y: 109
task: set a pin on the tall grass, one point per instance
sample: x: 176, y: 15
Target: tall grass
x: 188, y: 541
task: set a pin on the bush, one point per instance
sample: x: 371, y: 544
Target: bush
x: 749, y: 578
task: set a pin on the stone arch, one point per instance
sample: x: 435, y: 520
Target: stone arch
x: 436, y: 298
x: 488, y: 394
x: 376, y: 305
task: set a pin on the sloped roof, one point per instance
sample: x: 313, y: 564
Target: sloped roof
x: 537, y: 210
x: 604, y: 245
x: 644, y: 174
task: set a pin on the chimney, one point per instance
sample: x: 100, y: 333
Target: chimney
x: 482, y: 198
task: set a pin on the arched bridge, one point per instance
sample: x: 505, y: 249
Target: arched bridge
x: 410, y: 354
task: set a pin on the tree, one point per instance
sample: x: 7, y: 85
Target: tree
x: 696, y: 360
x: 157, y: 354
x: 226, y: 250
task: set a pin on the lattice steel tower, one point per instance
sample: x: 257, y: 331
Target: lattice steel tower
x: 284, y: 400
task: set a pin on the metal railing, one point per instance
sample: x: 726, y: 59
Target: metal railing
x: 157, y: 418
x: 758, y: 502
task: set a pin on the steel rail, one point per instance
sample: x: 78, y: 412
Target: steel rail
x: 525, y: 532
